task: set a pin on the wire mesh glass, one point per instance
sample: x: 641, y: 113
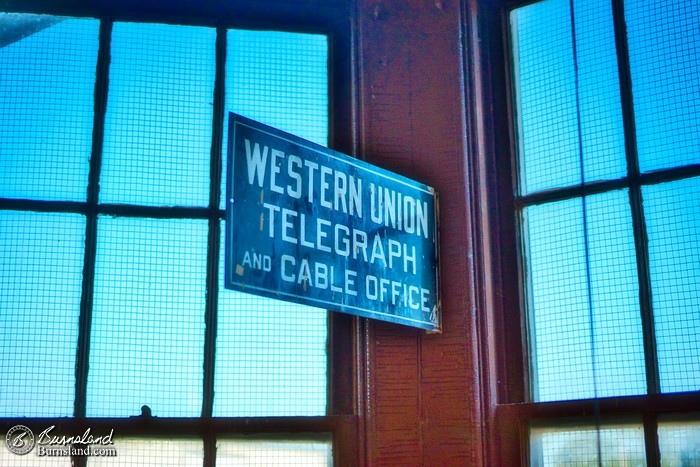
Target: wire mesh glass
x: 147, y: 344
x: 148, y: 305
x: 47, y: 86
x: 10, y: 459
x: 664, y: 51
x: 583, y: 303
x: 33, y: 458
x: 279, y: 79
x: 270, y: 453
x: 586, y: 446
x: 158, y: 126
x: 41, y: 272
x: 569, y: 117
x: 152, y: 453
x: 679, y: 443
x: 271, y: 357
x: 672, y: 214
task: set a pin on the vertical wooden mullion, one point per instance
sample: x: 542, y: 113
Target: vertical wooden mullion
x: 214, y: 244
x: 651, y: 440
x: 636, y: 202
x: 100, y: 108
x: 641, y: 241
x: 82, y: 362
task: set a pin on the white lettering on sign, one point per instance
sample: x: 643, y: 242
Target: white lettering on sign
x: 338, y: 239
x: 316, y: 274
x: 306, y: 204
x: 333, y: 190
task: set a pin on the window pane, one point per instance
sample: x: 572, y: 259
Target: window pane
x: 32, y: 459
x: 41, y: 271
x: 158, y: 126
x: 567, y: 92
x: 263, y: 453
x: 47, y: 84
x: 664, y: 49
x: 270, y: 356
x: 147, y: 343
x: 672, y: 213
x: 679, y: 443
x: 153, y: 453
x: 584, y: 320
x: 619, y: 445
x: 280, y: 79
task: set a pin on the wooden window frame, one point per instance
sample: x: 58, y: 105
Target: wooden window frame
x: 331, y: 18
x: 508, y: 410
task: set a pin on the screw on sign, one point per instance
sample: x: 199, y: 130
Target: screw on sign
x: 20, y: 440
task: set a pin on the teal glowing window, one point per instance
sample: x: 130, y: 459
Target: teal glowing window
x: 608, y: 190
x: 607, y: 196
x: 110, y: 222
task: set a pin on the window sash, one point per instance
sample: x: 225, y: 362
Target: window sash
x: 634, y: 181
x: 325, y: 20
x: 651, y: 406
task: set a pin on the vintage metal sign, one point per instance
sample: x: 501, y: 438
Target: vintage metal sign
x: 310, y: 225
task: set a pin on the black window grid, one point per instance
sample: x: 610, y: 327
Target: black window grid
x: 205, y: 427
x: 91, y: 209
x: 633, y: 181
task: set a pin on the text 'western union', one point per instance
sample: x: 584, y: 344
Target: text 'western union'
x: 289, y: 174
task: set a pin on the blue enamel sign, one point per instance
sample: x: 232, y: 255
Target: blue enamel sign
x: 310, y: 225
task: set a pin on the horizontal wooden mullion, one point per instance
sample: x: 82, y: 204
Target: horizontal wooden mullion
x: 608, y: 407
x: 587, y: 189
x: 117, y: 210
